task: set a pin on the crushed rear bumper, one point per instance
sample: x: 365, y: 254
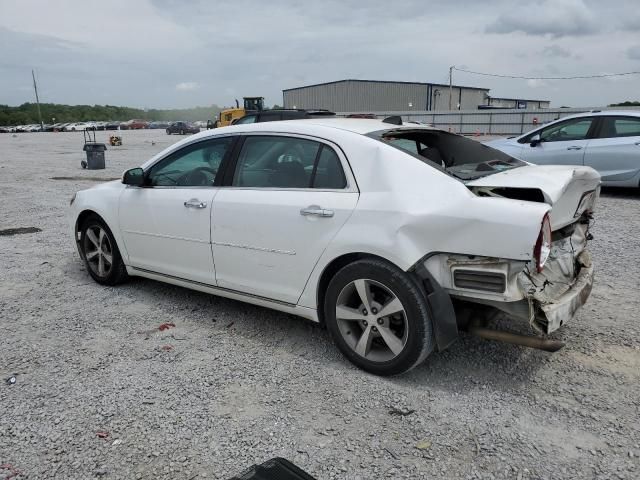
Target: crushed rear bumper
x: 553, y: 314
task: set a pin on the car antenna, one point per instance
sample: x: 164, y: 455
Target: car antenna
x: 393, y: 120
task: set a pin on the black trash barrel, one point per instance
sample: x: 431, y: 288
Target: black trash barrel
x: 95, y: 155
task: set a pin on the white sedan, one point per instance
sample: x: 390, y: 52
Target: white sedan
x: 388, y: 234
x: 608, y: 141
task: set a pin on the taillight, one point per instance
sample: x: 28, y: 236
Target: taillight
x: 543, y: 246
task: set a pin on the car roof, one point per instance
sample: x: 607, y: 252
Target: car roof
x: 355, y: 125
x: 600, y: 113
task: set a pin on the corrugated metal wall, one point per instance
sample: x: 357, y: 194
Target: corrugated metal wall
x: 367, y: 96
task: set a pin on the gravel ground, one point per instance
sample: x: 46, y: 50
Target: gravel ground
x: 232, y: 385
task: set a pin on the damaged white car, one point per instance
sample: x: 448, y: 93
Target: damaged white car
x: 391, y: 235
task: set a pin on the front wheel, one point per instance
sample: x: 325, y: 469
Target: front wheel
x: 378, y: 317
x: 100, y: 252
x: 181, y: 132
x: 168, y: 132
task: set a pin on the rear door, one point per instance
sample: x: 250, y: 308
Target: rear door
x: 615, y: 152
x: 285, y: 199
x: 563, y: 143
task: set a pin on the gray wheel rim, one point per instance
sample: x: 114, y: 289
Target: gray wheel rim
x: 372, y: 320
x: 98, y: 251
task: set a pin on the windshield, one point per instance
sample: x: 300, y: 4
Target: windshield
x: 460, y: 157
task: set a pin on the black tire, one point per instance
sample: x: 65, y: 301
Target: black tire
x: 419, y: 341
x: 168, y: 132
x: 181, y: 132
x: 117, y: 272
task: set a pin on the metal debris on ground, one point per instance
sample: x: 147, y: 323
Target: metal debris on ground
x: 403, y: 412
x: 11, y: 380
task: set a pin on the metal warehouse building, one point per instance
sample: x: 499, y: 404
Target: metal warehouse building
x: 385, y: 96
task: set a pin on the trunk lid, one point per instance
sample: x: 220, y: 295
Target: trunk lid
x: 561, y: 186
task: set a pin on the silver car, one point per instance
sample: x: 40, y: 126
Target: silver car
x: 606, y: 141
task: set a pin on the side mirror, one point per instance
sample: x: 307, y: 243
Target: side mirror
x: 134, y: 176
x: 535, y: 140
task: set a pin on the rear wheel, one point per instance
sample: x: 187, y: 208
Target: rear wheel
x: 168, y: 132
x: 100, y: 252
x: 181, y: 132
x: 378, y: 317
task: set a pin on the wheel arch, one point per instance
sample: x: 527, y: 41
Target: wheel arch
x: 440, y: 305
x: 332, y: 268
x: 81, y: 218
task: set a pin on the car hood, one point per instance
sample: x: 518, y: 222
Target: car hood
x: 561, y: 186
x: 497, y: 142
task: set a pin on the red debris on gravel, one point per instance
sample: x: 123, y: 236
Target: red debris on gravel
x: 102, y: 434
x: 167, y: 348
x: 13, y: 471
x: 166, y: 326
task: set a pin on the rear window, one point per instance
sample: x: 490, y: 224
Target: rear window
x: 460, y: 157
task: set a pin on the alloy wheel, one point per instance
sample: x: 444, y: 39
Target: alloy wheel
x: 98, y: 251
x: 372, y: 320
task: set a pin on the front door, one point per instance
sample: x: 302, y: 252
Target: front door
x: 166, y: 224
x: 288, y: 198
x: 563, y: 143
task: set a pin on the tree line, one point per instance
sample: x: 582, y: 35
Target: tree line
x: 27, y: 113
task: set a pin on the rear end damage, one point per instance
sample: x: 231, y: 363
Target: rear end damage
x: 546, y: 298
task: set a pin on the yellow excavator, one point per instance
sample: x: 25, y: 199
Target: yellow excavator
x: 228, y: 115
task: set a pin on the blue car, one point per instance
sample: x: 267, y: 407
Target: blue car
x: 607, y: 141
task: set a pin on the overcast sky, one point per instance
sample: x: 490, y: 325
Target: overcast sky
x: 170, y: 53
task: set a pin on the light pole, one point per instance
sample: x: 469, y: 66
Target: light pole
x: 451, y: 86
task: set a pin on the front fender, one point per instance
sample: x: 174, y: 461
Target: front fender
x: 103, y: 200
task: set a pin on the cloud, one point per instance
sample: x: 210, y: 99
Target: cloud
x: 536, y: 83
x: 557, y: 18
x: 187, y: 86
x: 556, y: 51
x: 153, y: 55
x: 633, y: 52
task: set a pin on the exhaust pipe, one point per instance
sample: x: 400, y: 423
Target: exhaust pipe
x: 540, y: 343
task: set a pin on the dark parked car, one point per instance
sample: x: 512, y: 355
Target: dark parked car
x: 112, y: 125
x: 156, y: 125
x: 282, y: 114
x: 182, y: 128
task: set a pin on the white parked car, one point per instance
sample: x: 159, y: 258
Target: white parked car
x: 353, y: 223
x: 607, y: 141
x: 72, y: 127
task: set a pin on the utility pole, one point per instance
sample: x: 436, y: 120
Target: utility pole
x: 35, y: 87
x: 450, y: 87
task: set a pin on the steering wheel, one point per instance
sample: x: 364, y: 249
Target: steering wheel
x: 197, y: 177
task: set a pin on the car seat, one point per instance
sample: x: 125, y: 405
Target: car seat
x: 289, y: 175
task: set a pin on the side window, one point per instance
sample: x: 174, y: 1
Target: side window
x: 287, y: 162
x: 192, y: 166
x: 575, y: 129
x: 613, y: 127
x: 328, y: 172
x: 246, y: 119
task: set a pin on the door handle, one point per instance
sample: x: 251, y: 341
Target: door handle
x: 574, y: 147
x: 195, y: 203
x: 316, y: 211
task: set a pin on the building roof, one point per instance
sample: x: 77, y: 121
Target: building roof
x: 516, y: 99
x: 385, y: 81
